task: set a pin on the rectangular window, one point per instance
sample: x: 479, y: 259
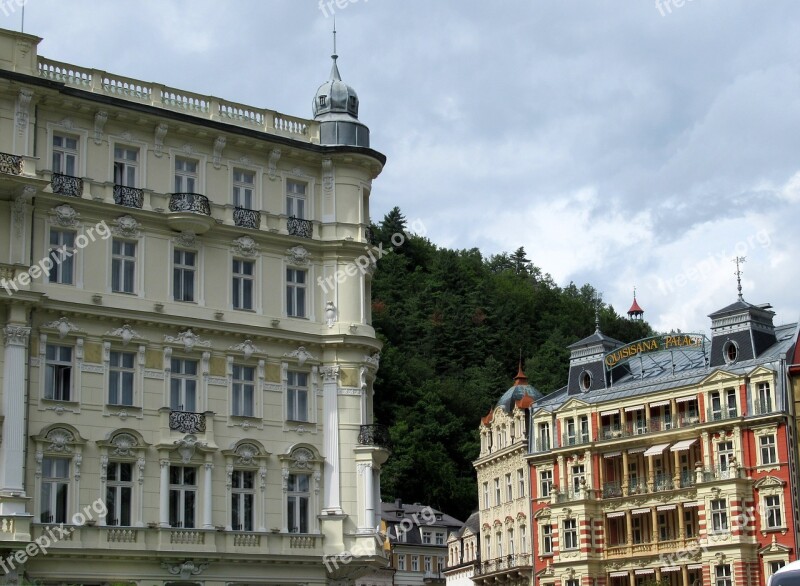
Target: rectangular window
x: 426, y: 537
x: 184, y: 267
x: 126, y: 166
x: 764, y: 405
x: 121, y: 369
x: 185, y: 175
x: 547, y: 538
x: 296, y: 199
x: 499, y: 544
x: 719, y: 516
x: 439, y: 538
x: 119, y: 492
x: 584, y: 429
x: 716, y: 406
x: 570, y: 534
x: 724, y: 458
x: 65, y: 154
x: 775, y: 566
x: 415, y: 563
x: 428, y: 563
x: 298, y: 495
x: 242, y: 495
x: 521, y: 482
x: 769, y: 454
x: 243, y: 280
x: 497, y: 497
x: 182, y: 496
x: 401, y: 563
x: 578, y: 478
x: 62, y: 255
x: 571, y: 437
x: 295, y: 293
x: 243, y: 390
x: 58, y: 373
x: 123, y: 266
x: 545, y: 483
x: 243, y: 187
x: 544, y: 437
x: 55, y: 490
x: 487, y: 548
x: 486, y: 495
x: 183, y: 385
x: 730, y: 402
x: 772, y: 511
x: 722, y: 575
x: 297, y: 396
x: 509, y: 488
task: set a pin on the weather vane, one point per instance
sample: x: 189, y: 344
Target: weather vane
x: 739, y: 260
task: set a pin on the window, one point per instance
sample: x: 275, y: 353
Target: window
x: 511, y: 541
x: 572, y: 582
x: 185, y: 175
x: 297, y: 396
x: 578, y: 478
x: 62, y: 251
x: 570, y: 534
x: 639, y: 422
x: 65, y: 155
x: 119, y: 491
x: 768, y: 449
x: 428, y: 563
x: 58, y: 373
x: 499, y: 544
x: 126, y: 166
x: 571, y: 438
x: 182, y: 496
x: 486, y: 495
x: 242, y: 494
x: 401, y: 563
x: 497, y: 499
x: 521, y: 482
x: 775, y: 566
x: 439, y: 538
x: 716, y: 406
x: 719, y: 515
x: 415, y: 563
x: 724, y: 457
x: 544, y: 437
x: 731, y: 352
x: 426, y: 537
x: 183, y: 385
x: 243, y: 271
x: 55, y: 490
x: 296, y: 199
x: 298, y: 497
x: 243, y: 186
x: 243, y: 390
x: 722, y: 575
x: 123, y: 266
x: 584, y: 429
x: 509, y: 488
x: 772, y: 511
x: 545, y: 483
x: 730, y: 402
x: 586, y: 380
x: 764, y: 405
x: 688, y: 523
x: 183, y: 272
x: 121, y: 368
x: 547, y: 538
x: 295, y: 293
x: 487, y: 548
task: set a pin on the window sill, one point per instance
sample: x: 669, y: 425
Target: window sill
x: 244, y: 309
x: 123, y: 406
x: 61, y: 401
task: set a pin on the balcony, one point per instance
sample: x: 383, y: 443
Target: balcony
x: 11, y: 164
x: 518, y: 562
x: 299, y: 227
x: 637, y: 486
x: 67, y: 185
x: 542, y: 445
x: 130, y: 197
x: 763, y: 407
x: 568, y: 440
x: 663, y: 482
x: 374, y: 435
x: 721, y: 414
x: 190, y: 212
x: 187, y: 422
x: 246, y: 218
x: 612, y: 490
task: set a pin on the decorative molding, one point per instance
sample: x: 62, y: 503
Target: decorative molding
x: 245, y: 246
x: 95, y: 368
x: 126, y: 333
x: 297, y: 255
x: 189, y: 340
x: 65, y: 215
x: 374, y: 361
x: 301, y: 354
x: 219, y: 145
x: 272, y: 164
x: 349, y: 391
x: 185, y: 569
x: 100, y: 119
x: 67, y: 123
x: 330, y: 373
x: 188, y: 149
x: 16, y: 335
x: 62, y: 325
x: 126, y: 226
x: 244, y: 160
x: 23, y: 109
x: 186, y: 239
x: 327, y: 176
x: 272, y: 387
x: 158, y: 139
x: 247, y: 348
x: 157, y: 374
x: 330, y: 314
x: 126, y: 135
x: 186, y: 447
x: 125, y: 445
x: 19, y: 207
x: 218, y: 381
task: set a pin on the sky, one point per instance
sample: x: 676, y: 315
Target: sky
x: 622, y: 143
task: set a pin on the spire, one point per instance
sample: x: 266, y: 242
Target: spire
x: 635, y: 312
x: 739, y: 260
x: 520, y: 379
x: 597, y: 316
x: 334, y: 68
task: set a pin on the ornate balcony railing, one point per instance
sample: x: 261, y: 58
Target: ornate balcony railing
x: 67, y: 185
x: 299, y: 227
x: 574, y: 439
x: 543, y: 445
x: 245, y: 218
x: 612, y: 489
x: 721, y: 414
x: 509, y: 562
x: 189, y: 202
x: 374, y: 435
x: 187, y: 422
x: 763, y: 407
x: 637, y: 486
x: 11, y: 164
x: 663, y: 482
x: 130, y: 197
x: 687, y: 479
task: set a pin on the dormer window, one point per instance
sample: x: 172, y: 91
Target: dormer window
x: 352, y: 102
x: 322, y: 101
x: 731, y: 351
x: 586, y: 380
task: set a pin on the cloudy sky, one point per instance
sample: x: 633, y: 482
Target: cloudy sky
x: 621, y: 143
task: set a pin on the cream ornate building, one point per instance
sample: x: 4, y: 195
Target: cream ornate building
x: 188, y: 357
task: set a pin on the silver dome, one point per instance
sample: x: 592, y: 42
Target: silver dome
x: 335, y: 107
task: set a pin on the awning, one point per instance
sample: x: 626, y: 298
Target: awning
x: 612, y: 454
x: 644, y: 571
x: 640, y: 511
x: 694, y: 566
x: 634, y: 408
x: 685, y: 399
x: 659, y: 403
x: 606, y: 413
x: 636, y: 450
x: 655, y: 450
x: 682, y: 445
x: 670, y: 569
x: 615, y: 514
x: 691, y: 504
x: 617, y: 574
x: 666, y: 507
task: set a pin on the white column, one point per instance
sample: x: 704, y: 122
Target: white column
x: 377, y: 494
x: 163, y: 494
x: 12, y: 450
x: 369, y: 496
x: 207, y: 470
x: 330, y: 445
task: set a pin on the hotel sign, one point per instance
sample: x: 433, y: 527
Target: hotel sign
x: 655, y: 344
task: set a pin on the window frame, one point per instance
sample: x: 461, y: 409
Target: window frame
x: 290, y: 198
x: 49, y: 479
x: 60, y: 366
x: 293, y: 288
x: 238, y: 184
x: 122, y: 260
x: 239, y: 497
x: 570, y: 534
x: 720, y: 523
x: 182, y: 489
x: 183, y: 378
x: 122, y: 166
x: 181, y: 268
x: 186, y: 176
x: 545, y: 483
x: 242, y: 279
x: 297, y: 497
x: 237, y: 369
x: 118, y: 485
x: 68, y: 260
x: 293, y: 392
x: 65, y: 152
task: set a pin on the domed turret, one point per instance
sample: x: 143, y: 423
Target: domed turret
x: 336, y: 108
x: 521, y: 391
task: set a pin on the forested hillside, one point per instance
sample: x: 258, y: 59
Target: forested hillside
x: 453, y: 324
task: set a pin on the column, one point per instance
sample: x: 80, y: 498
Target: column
x: 163, y: 493
x: 684, y: 574
x: 208, y: 468
x: 601, y: 476
x: 562, y: 478
x: 377, y: 493
x: 369, y: 496
x: 654, y: 524
x: 706, y: 450
x: 629, y: 527
x: 587, y: 461
x: 625, y: 471
x: 12, y: 482
x: 681, y: 523
x: 330, y: 444
x: 651, y: 474
x: 677, y: 472
x: 631, y: 578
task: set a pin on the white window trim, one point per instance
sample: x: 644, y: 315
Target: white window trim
x: 311, y: 200
x: 258, y: 173
x: 758, y: 433
x: 138, y: 378
x: 199, y: 275
x: 77, y: 344
x: 115, y: 141
x: 133, y: 454
x: 68, y: 130
x: 258, y: 307
x: 290, y: 464
x: 202, y: 165
x: 248, y: 455
x: 140, y: 272
x: 257, y: 419
x: 77, y: 257
x: 59, y: 441
x: 313, y: 389
x: 311, y: 285
x: 202, y: 375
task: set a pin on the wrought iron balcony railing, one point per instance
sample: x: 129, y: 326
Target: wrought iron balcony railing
x: 11, y: 164
x: 763, y: 407
x: 509, y: 562
x: 721, y: 414
x: 663, y: 482
x: 189, y: 202
x: 67, y: 185
x: 246, y: 218
x: 637, y: 486
x: 187, y: 422
x: 612, y: 489
x: 577, y: 439
x: 299, y: 227
x: 543, y: 445
x: 130, y: 197
x: 374, y: 435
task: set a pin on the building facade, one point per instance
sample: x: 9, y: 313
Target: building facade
x: 668, y: 459
x: 188, y: 353
x: 463, y: 551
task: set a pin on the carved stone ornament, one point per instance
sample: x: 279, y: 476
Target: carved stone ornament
x: 189, y: 340
x: 301, y: 354
x: 245, y: 246
x: 327, y: 175
x: 188, y: 149
x: 16, y: 335
x: 302, y: 458
x: 65, y: 215
x: 330, y: 373
x: 158, y: 139
x: 272, y: 164
x: 124, y: 444
x: 374, y: 361
x: 63, y: 326
x: 19, y: 207
x: 100, y: 119
x: 185, y: 569
x: 23, y: 109
x: 126, y: 226
x: 60, y: 440
x: 330, y: 314
x: 67, y: 123
x: 186, y: 447
x: 298, y: 255
x: 219, y: 145
x: 247, y: 454
x: 186, y: 239
x: 247, y: 348
x: 125, y: 332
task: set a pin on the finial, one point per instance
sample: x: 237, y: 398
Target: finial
x: 334, y: 56
x: 739, y: 260
x: 597, y: 315
x: 634, y: 292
